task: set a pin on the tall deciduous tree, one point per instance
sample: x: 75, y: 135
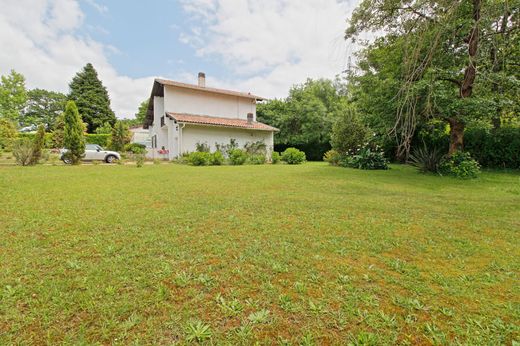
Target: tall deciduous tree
x: 73, y: 133
x: 306, y: 116
x: 141, y: 112
x: 42, y: 107
x: 436, y: 48
x: 91, y: 98
x: 13, y: 96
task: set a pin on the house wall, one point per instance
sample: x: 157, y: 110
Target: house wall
x: 179, y: 100
x: 193, y: 134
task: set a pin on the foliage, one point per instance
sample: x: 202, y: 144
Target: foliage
x: 347, y: 240
x: 73, y: 137
x: 332, y: 157
x: 140, y: 116
x: 139, y: 159
x: 105, y: 129
x: 425, y: 65
x: 256, y: 159
x: 91, y: 98
x: 202, y: 147
x: 199, y: 158
x: 38, y: 144
x: 348, y: 131
x: 23, y: 151
x: 217, y: 158
x: 8, y: 134
x: 497, y: 148
x: 426, y: 159
x: 368, y: 156
x: 198, y: 332
x: 119, y: 137
x: 102, y: 140
x: 42, y: 107
x: 13, y: 96
x: 135, y: 148
x: 305, y: 118
x: 293, y: 156
x: 275, y: 157
x: 460, y: 165
x: 237, y: 157
x: 255, y: 148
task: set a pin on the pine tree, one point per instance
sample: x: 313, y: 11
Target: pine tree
x: 73, y: 138
x: 120, y: 136
x: 91, y: 98
x: 38, y: 145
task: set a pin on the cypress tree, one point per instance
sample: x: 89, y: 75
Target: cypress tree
x: 38, y: 144
x: 73, y: 138
x: 91, y: 98
x: 120, y: 137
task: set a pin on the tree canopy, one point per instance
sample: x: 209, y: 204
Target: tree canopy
x: 91, y: 98
x: 13, y: 96
x: 306, y: 116
x: 42, y: 107
x: 455, y: 61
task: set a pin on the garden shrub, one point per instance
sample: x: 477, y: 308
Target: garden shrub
x: 217, y: 158
x: 257, y: 159
x: 99, y: 139
x: 426, y: 159
x: 23, y: 151
x: 255, y: 148
x: 332, y: 157
x: 199, y: 158
x: 367, y: 157
x: 497, y: 148
x: 275, y: 157
x: 135, y: 148
x: 237, y: 157
x: 202, y: 147
x: 348, y: 132
x: 293, y: 156
x: 8, y: 134
x: 460, y: 165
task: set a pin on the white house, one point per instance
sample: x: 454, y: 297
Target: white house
x: 182, y: 115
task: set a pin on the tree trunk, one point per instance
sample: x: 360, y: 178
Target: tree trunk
x: 456, y: 135
x: 466, y: 87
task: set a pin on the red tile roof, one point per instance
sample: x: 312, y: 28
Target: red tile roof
x: 218, y: 121
x: 208, y: 89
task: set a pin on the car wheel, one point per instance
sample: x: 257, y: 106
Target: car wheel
x: 110, y: 159
x: 66, y: 161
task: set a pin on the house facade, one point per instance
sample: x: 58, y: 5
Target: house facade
x: 182, y: 115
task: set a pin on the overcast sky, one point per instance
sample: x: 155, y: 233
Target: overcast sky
x: 262, y: 47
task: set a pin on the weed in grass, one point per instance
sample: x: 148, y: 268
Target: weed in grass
x: 198, y: 331
x: 259, y: 317
x: 230, y: 308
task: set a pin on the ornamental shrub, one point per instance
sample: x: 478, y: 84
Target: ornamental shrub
x: 120, y: 136
x: 366, y: 157
x: 293, y: 156
x: 460, y: 165
x: 23, y: 151
x: 135, y: 148
x: 332, y: 157
x: 8, y: 134
x: 237, y: 157
x: 426, y: 159
x: 73, y: 138
x: 199, y: 158
x: 216, y: 158
x: 38, y: 145
x: 99, y: 139
x: 348, y: 131
x: 275, y: 157
x: 257, y: 159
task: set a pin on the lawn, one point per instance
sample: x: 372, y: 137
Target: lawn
x: 168, y: 254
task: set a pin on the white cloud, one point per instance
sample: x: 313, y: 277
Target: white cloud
x: 272, y: 44
x: 40, y: 39
x: 100, y: 8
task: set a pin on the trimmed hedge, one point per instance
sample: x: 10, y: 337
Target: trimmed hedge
x: 498, y: 148
x: 99, y: 139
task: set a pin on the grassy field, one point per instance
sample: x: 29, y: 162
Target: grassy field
x: 277, y: 254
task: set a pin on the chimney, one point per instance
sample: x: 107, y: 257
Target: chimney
x: 202, y: 79
x: 249, y: 118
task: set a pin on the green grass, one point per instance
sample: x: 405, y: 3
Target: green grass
x: 307, y: 254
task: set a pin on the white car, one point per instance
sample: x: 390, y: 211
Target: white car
x: 94, y: 152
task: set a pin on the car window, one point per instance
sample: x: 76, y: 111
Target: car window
x: 99, y: 147
x: 91, y: 147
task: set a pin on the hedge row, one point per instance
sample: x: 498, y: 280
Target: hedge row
x: 101, y: 139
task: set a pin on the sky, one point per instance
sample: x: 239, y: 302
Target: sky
x: 263, y: 47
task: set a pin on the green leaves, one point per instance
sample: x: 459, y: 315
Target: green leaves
x: 73, y: 138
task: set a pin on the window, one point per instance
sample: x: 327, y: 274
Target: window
x: 154, y: 141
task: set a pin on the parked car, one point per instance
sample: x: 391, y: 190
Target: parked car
x: 94, y: 152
